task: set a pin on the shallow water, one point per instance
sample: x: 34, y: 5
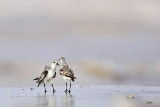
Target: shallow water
x: 86, y: 96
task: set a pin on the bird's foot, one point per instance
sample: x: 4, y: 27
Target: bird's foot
x: 45, y: 91
x: 54, y: 90
x: 69, y: 91
x: 66, y: 90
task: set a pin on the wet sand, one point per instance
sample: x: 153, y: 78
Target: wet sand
x: 82, y: 96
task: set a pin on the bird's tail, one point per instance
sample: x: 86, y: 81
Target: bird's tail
x: 73, y: 78
x: 39, y: 82
x: 36, y: 78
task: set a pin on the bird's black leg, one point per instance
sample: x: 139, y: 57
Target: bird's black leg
x: 53, y: 88
x: 70, y: 87
x: 45, y: 88
x: 66, y: 88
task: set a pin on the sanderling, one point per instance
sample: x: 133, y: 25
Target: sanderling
x: 66, y: 72
x: 47, y: 75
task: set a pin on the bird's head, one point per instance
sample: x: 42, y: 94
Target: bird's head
x: 62, y: 59
x: 55, y: 63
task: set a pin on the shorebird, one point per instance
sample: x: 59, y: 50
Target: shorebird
x: 47, y: 75
x: 66, y: 72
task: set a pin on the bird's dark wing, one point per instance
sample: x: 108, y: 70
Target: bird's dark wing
x: 41, y: 78
x: 69, y: 74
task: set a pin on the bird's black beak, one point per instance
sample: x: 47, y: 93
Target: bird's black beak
x: 59, y: 59
x: 58, y: 64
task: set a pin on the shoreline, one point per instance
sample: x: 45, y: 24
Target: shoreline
x: 90, y: 95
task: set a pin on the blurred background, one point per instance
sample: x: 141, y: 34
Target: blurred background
x: 104, y: 41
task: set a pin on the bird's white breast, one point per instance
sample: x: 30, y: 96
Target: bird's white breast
x: 50, y: 75
x: 66, y: 78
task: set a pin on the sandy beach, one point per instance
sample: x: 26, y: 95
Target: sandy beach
x: 85, y: 95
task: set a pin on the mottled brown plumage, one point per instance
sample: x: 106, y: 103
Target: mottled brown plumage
x: 66, y: 72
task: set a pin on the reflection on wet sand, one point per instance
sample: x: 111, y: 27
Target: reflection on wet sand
x: 67, y: 100
x: 46, y: 100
